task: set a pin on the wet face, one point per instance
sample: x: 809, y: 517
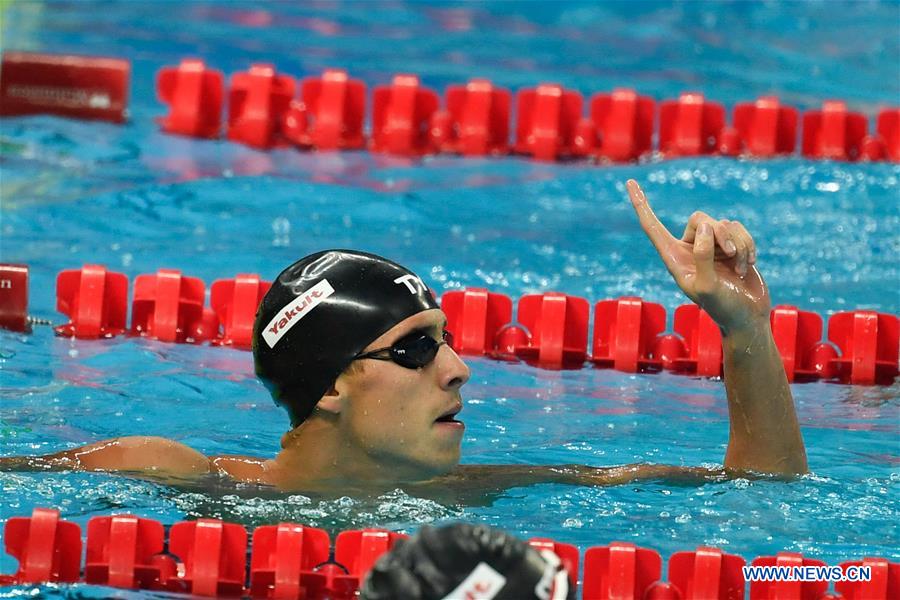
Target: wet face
x: 402, y: 419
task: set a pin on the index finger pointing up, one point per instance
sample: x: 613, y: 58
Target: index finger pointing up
x: 651, y: 225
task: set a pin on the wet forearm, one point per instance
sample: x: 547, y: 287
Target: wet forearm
x: 622, y: 474
x: 764, y: 432
x: 482, y: 479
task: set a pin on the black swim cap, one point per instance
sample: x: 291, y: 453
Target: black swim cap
x: 466, y: 561
x: 321, y: 312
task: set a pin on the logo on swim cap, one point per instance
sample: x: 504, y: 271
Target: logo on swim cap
x: 407, y: 281
x: 483, y: 583
x: 292, y: 312
x: 554, y: 583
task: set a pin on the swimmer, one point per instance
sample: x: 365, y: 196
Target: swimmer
x: 354, y: 346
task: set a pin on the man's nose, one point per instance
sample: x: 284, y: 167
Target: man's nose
x: 453, y: 373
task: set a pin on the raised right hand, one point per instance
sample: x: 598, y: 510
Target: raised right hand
x: 712, y: 263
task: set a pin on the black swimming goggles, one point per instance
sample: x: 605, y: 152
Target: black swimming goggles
x: 412, y: 351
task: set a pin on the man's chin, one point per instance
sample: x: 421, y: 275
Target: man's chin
x: 440, y: 466
x: 422, y: 466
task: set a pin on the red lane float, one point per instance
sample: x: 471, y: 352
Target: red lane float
x: 81, y: 87
x: 703, y: 340
x: 690, y: 126
x: 169, y: 307
x: 214, y: 555
x: 868, y: 344
x: 401, y: 116
x: 833, y: 132
x: 194, y: 94
x: 329, y: 114
x: 257, y: 102
x: 547, y: 123
x: 357, y: 551
x: 235, y: 302
x: 775, y: 590
x: 888, y: 128
x: 625, y: 331
x: 707, y: 573
x: 48, y: 549
x: 798, y: 335
x: 476, y: 121
x: 474, y: 318
x: 620, y: 570
x: 95, y: 300
x: 283, y: 557
x: 558, y: 326
x: 125, y: 551
x: 624, y: 123
x: 884, y: 583
x: 766, y: 128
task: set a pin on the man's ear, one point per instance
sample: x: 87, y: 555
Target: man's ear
x: 332, y: 401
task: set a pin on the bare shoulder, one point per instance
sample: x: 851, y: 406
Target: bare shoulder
x: 132, y: 453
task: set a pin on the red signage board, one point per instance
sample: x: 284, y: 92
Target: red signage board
x: 82, y: 87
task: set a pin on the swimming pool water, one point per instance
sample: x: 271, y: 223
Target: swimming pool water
x: 136, y: 200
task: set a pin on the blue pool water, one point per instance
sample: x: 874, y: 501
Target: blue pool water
x: 136, y: 200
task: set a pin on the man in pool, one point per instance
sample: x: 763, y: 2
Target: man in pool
x: 354, y: 347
